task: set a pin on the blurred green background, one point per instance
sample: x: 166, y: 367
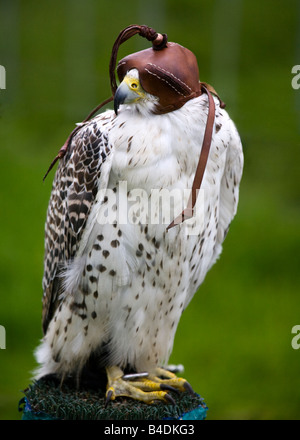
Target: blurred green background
x: 235, y: 338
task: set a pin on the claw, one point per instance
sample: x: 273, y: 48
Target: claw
x: 169, y: 388
x: 108, y: 397
x: 188, y: 388
x: 169, y: 399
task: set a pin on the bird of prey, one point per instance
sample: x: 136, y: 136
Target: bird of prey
x: 117, y: 277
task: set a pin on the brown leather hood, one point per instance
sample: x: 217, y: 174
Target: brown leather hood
x: 171, y: 74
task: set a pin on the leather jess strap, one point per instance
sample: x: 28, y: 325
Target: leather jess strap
x: 188, y: 212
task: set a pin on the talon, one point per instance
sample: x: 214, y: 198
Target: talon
x: 169, y: 399
x: 108, y: 397
x: 188, y: 388
x: 169, y: 388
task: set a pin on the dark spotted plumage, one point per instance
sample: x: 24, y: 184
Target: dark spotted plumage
x: 74, y: 190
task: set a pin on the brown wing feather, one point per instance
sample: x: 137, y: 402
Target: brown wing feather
x: 74, y: 189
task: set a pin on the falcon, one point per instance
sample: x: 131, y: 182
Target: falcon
x: 123, y: 258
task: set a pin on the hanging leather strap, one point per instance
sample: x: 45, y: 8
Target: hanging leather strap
x: 188, y: 212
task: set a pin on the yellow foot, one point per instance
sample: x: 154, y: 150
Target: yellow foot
x: 148, y: 389
x: 166, y: 378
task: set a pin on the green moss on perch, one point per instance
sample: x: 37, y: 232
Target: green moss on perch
x: 46, y: 400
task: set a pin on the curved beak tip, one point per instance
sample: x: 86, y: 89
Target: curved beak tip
x: 119, y: 98
x: 116, y: 107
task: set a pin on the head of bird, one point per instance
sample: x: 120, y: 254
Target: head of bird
x: 130, y: 91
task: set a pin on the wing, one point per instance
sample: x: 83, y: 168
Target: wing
x: 74, y: 189
x: 229, y: 192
